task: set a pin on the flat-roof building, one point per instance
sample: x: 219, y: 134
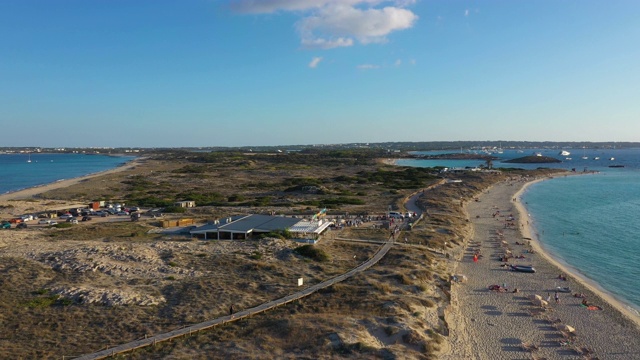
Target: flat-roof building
x: 244, y: 226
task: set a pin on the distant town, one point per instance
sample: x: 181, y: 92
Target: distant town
x: 389, y: 147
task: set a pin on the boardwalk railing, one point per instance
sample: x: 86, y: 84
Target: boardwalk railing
x: 382, y: 251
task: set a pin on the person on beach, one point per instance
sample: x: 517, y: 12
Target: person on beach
x: 231, y: 310
x: 557, y: 298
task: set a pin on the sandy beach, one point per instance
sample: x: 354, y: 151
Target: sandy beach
x: 487, y: 324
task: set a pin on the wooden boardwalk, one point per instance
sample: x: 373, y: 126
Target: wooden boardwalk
x: 382, y: 251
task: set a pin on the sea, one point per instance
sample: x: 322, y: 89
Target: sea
x: 590, y: 223
x: 17, y: 173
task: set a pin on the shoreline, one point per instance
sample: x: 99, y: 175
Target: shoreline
x: 30, y: 192
x: 486, y: 324
x: 529, y: 230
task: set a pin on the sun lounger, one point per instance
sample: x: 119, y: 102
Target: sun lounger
x: 529, y: 346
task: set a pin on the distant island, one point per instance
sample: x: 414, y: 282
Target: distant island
x: 533, y: 159
x: 458, y: 156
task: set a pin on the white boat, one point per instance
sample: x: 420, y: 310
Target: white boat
x: 564, y: 153
x: 29, y: 158
x: 596, y: 158
x: 612, y: 158
x: 567, y: 158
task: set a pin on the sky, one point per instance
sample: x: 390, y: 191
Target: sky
x: 158, y: 73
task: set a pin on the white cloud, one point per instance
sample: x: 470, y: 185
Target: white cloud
x: 367, y: 67
x: 398, y: 62
x: 466, y: 12
x: 326, y: 44
x: 327, y: 24
x: 314, y: 62
x: 270, y: 6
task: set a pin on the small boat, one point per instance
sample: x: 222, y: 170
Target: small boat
x: 563, y: 289
x: 612, y: 158
x: 616, y: 166
x: 523, y: 268
x: 596, y: 158
x: 564, y: 153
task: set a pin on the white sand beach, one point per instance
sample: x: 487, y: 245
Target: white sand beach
x: 487, y: 324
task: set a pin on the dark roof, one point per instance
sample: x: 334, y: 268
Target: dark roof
x: 248, y: 223
x: 264, y: 223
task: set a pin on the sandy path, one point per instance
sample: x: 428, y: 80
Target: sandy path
x: 489, y: 325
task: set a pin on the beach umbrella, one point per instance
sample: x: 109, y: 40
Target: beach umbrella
x: 535, y: 297
x: 567, y: 328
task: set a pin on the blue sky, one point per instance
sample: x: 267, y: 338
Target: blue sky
x: 280, y: 72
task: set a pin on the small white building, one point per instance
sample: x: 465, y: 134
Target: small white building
x: 186, y: 204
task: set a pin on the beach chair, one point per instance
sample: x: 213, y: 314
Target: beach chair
x: 553, y: 321
x: 529, y: 346
x: 586, y: 351
x: 565, y: 342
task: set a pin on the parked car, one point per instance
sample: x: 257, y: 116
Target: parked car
x: 44, y: 221
x: 73, y: 221
x: 120, y: 213
x: 5, y: 225
x: 53, y: 223
x: 86, y: 218
x: 65, y: 216
x: 21, y: 226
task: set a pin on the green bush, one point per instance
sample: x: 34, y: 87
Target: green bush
x: 42, y: 302
x: 175, y: 209
x: 63, y: 225
x: 312, y: 252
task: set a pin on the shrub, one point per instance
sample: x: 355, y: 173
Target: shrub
x: 312, y: 252
x: 175, y: 209
x: 42, y: 302
x: 63, y: 225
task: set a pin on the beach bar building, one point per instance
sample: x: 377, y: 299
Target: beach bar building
x: 246, y: 226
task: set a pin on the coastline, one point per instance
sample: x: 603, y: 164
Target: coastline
x: 528, y: 230
x: 487, y: 324
x: 30, y: 192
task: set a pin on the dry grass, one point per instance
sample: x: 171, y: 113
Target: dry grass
x: 386, y: 295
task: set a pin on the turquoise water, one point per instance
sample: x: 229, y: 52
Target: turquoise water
x: 589, y: 222
x: 17, y: 173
